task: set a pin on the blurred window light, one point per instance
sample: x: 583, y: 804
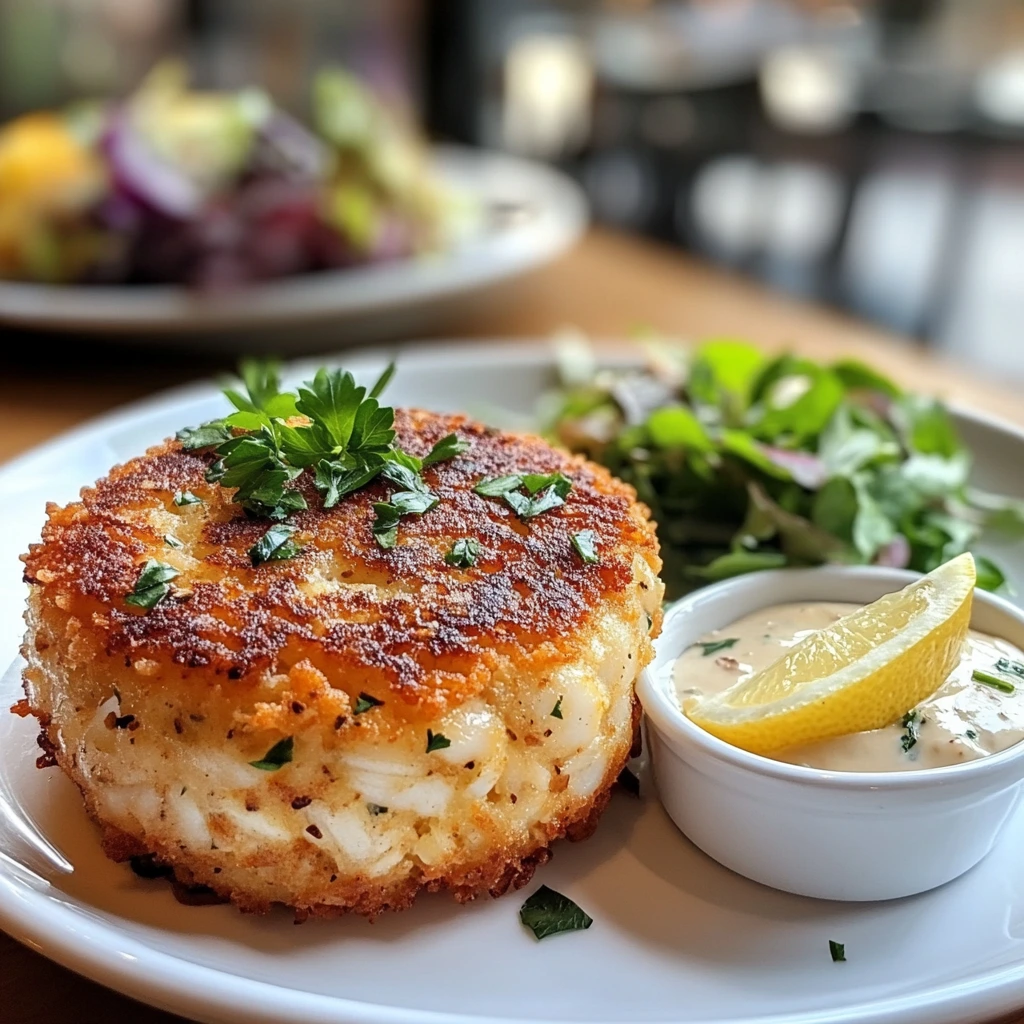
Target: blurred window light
x: 802, y: 206
x: 548, y: 82
x: 725, y: 206
x: 897, y: 230
x: 987, y: 307
x: 999, y: 90
x: 808, y: 89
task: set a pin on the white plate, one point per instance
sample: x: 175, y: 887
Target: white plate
x: 532, y: 214
x: 675, y: 936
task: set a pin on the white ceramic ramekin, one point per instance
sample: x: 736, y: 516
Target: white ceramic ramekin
x: 832, y: 835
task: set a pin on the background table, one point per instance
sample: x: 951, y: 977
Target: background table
x: 608, y: 286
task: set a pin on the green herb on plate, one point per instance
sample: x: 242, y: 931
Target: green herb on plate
x: 548, y: 912
x: 153, y: 584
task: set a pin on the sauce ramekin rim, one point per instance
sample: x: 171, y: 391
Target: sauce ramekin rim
x: 678, y: 730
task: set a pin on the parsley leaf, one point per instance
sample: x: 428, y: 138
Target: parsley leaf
x: 585, y: 543
x: 173, y: 542
x: 332, y: 400
x: 277, y: 756
x: 528, y: 507
x: 275, y: 545
x: 207, y: 435
x: 547, y: 912
x: 447, y: 448
x: 436, y: 741
x: 533, y: 482
x: 186, y: 498
x: 556, y: 711
x: 385, y: 525
x: 365, y: 702
x: 463, y: 553
x: 912, y: 722
x: 1013, y: 667
x: 837, y: 950
x: 153, y: 584
x: 710, y: 647
x: 498, y: 486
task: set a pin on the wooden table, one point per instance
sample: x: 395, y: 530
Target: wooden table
x: 609, y: 286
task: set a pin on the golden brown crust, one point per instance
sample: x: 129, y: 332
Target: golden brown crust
x: 425, y: 632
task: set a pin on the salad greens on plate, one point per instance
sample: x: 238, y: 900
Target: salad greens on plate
x: 750, y: 461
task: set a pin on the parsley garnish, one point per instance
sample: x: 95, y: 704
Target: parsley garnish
x: 376, y: 809
x: 498, y: 486
x: 275, y: 545
x: 436, y: 741
x: 544, y: 491
x: 971, y: 734
x: 556, y: 711
x: 837, y: 951
x: 365, y: 703
x: 548, y: 912
x: 447, y: 448
x: 714, y: 646
x: 1013, y: 667
x: 277, y: 756
x: 186, y: 498
x: 385, y: 525
x: 585, y: 543
x: 173, y: 542
x: 987, y: 679
x: 912, y: 722
x: 463, y: 553
x: 153, y: 584
x: 347, y: 441
x: 206, y: 436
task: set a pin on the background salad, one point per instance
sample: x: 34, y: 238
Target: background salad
x: 214, y: 189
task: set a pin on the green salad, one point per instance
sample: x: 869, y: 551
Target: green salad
x: 754, y: 462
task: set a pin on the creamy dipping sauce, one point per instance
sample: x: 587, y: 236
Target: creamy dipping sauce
x: 962, y: 721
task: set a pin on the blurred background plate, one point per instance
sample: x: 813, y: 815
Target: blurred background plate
x: 528, y: 215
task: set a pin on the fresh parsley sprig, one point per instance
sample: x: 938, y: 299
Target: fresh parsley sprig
x: 345, y: 437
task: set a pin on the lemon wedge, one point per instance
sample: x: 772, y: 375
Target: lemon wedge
x: 862, y: 673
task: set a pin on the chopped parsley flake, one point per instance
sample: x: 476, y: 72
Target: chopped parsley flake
x: 365, y: 702
x: 556, y: 711
x: 275, y: 545
x: 585, y: 543
x: 543, y: 492
x: 714, y: 646
x: 436, y: 741
x: 463, y: 553
x: 837, y: 951
x: 447, y: 448
x: 912, y: 722
x: 277, y: 756
x: 173, y: 542
x: 153, y: 584
x: 971, y: 734
x: 186, y: 498
x: 548, y: 912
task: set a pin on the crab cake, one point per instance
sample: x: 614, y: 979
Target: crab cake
x: 345, y: 724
